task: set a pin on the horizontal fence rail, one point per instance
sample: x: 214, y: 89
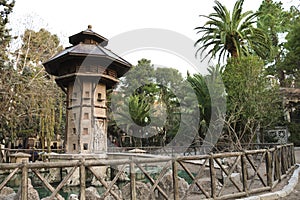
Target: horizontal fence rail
x: 213, y: 176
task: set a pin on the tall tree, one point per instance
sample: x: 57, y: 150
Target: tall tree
x: 46, y: 98
x: 139, y: 75
x: 32, y: 103
x: 226, y: 34
x: 199, y: 85
x: 210, y: 91
x: 6, y: 7
x: 276, y: 21
x: 252, y: 103
x: 291, y: 62
x: 37, y: 47
x: 7, y: 74
x: 150, y: 102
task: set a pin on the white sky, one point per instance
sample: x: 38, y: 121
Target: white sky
x: 113, y: 17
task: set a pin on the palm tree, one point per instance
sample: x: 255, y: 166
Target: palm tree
x: 199, y: 86
x: 133, y: 114
x: 208, y: 88
x: 233, y: 34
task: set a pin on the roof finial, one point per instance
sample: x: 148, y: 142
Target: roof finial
x: 89, y: 27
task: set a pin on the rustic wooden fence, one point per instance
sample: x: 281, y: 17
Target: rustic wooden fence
x: 192, y: 149
x: 217, y: 176
x: 166, y: 151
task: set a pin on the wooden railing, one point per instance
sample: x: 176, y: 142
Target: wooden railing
x: 218, y: 176
x: 156, y: 150
x: 192, y: 149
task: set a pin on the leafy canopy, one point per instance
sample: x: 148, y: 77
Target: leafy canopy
x: 226, y: 34
x: 252, y: 102
x: 6, y: 8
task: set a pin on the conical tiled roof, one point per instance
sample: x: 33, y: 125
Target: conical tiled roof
x: 87, y: 45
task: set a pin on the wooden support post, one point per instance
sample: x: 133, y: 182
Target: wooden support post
x: 132, y: 181
x: 290, y: 152
x: 292, y: 149
x: 289, y: 155
x: 82, y: 179
x: 275, y: 165
x: 279, y: 163
x: 269, y: 169
x: 212, y: 177
x: 24, y: 181
x: 244, y: 173
x: 175, y: 179
x: 288, y: 158
x: 284, y: 159
x: 1, y: 156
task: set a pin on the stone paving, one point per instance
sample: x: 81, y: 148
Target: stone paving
x: 295, y: 194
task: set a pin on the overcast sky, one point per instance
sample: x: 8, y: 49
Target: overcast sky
x: 111, y: 18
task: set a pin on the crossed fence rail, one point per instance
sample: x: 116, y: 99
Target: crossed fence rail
x: 214, y: 176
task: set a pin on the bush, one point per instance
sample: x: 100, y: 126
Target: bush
x: 294, y: 129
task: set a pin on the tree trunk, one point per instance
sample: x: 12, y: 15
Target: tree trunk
x: 234, y: 53
x: 281, y: 78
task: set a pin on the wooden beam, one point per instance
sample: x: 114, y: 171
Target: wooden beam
x: 82, y: 180
x: 24, y: 181
x: 8, y: 178
x: 45, y: 182
x: 195, y: 179
x: 132, y: 181
x: 152, y: 181
x: 103, y: 183
x: 64, y: 181
x: 175, y: 179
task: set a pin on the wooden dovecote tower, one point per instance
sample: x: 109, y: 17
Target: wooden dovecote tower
x: 85, y: 71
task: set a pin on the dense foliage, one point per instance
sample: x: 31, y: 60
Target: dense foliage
x: 31, y: 103
x: 232, y: 34
x: 253, y: 104
x: 146, y: 106
x: 278, y: 22
x: 6, y: 7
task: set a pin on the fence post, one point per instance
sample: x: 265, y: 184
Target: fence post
x: 284, y: 159
x: 175, y: 179
x: 212, y: 176
x: 290, y: 155
x: 1, y: 157
x: 276, y: 167
x: 24, y: 181
x: 82, y: 179
x: 132, y: 180
x: 269, y: 169
x: 293, y: 155
x: 244, y: 173
x: 278, y: 161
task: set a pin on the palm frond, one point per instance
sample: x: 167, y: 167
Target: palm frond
x: 224, y: 34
